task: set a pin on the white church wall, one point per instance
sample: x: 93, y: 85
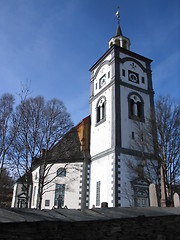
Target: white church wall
x: 35, y: 187
x: 126, y: 191
x: 19, y: 196
x: 71, y: 181
x: 102, y: 75
x: 124, y: 55
x: 101, y: 172
x: 101, y: 132
x: 128, y: 125
x: 134, y: 67
x: 13, y: 203
x: 102, y: 79
x: 141, y: 73
x: 72, y: 185
x: 48, y: 195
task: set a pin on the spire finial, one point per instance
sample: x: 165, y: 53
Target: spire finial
x: 118, y: 31
x: 117, y: 14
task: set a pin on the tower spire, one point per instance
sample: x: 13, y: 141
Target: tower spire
x: 119, y: 39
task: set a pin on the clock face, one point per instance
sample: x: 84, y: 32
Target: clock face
x: 133, y: 77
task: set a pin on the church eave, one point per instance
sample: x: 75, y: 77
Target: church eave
x: 103, y: 57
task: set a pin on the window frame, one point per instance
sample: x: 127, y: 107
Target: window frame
x: 143, y: 80
x: 59, y: 191
x: 101, y: 110
x: 139, y: 107
x: 123, y: 72
x: 47, y: 203
x: 98, y: 193
x: 133, y: 135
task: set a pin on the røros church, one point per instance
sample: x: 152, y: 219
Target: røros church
x: 91, y: 163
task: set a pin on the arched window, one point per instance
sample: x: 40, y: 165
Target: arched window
x: 100, y: 110
x: 61, y: 172
x: 117, y: 42
x: 124, y: 44
x: 136, y: 106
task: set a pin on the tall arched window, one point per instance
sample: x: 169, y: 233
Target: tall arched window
x: 100, y: 109
x: 136, y: 106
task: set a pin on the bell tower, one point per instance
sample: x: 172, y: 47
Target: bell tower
x: 121, y: 95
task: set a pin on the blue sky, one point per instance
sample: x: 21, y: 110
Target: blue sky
x: 52, y: 44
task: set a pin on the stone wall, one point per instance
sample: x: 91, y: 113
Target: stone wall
x: 164, y: 227
x: 159, y: 228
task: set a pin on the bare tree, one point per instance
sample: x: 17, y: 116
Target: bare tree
x: 144, y: 145
x: 8, y: 127
x: 6, y: 189
x: 29, y: 138
x: 144, y: 148
x: 41, y: 126
x: 57, y: 123
x: 157, y: 145
x: 167, y: 114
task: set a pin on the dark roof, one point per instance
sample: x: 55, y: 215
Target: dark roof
x: 68, y: 149
x: 177, y: 188
x: 25, y: 177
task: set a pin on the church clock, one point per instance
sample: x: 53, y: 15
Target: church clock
x: 133, y: 77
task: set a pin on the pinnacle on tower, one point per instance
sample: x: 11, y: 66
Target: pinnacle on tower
x: 119, y: 40
x: 118, y: 31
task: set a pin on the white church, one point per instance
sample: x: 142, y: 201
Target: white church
x: 89, y: 165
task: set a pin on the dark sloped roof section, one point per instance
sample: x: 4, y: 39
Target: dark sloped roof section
x: 69, y: 148
x: 25, y: 178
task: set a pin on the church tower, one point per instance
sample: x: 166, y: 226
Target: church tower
x: 121, y: 96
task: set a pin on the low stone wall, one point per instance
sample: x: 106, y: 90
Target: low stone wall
x: 141, y: 227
